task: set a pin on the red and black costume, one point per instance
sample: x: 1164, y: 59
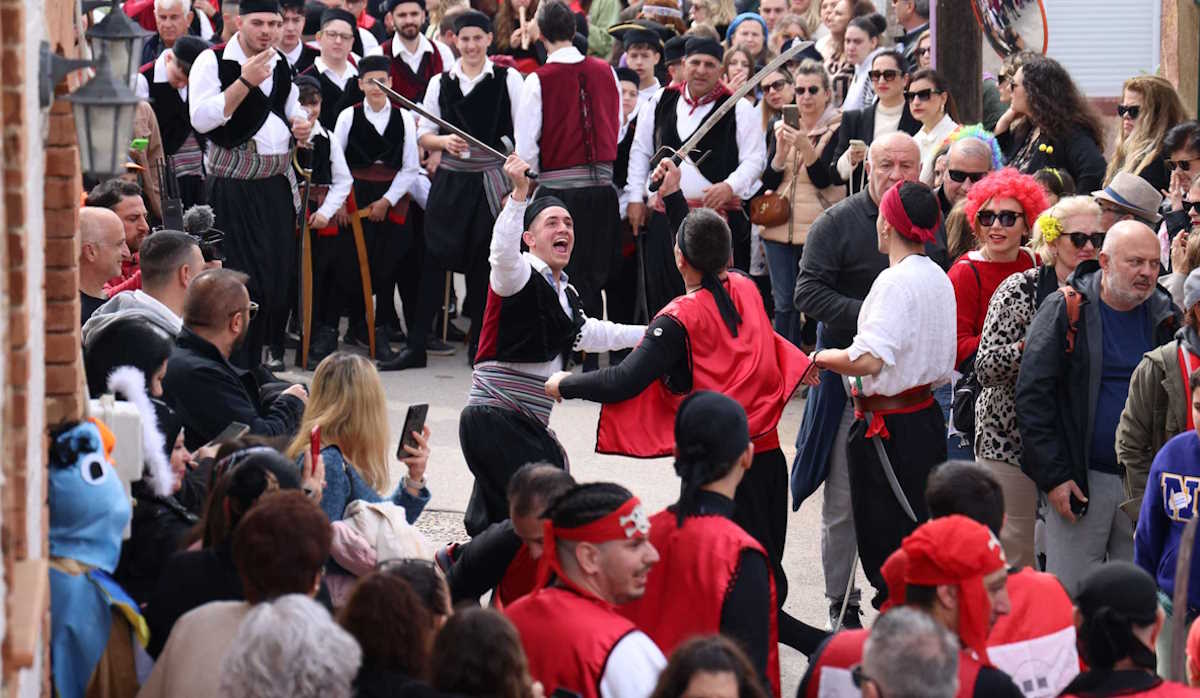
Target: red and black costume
x: 181, y: 143
x: 1035, y: 642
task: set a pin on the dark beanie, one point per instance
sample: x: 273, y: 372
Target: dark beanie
x: 711, y: 432
x: 541, y: 204
x: 1114, y: 598
x: 186, y: 49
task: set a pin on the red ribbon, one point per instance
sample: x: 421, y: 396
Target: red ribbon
x: 693, y: 104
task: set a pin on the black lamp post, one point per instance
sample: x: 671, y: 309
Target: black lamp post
x: 117, y: 40
x: 104, y: 108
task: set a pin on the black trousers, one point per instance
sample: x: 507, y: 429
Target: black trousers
x: 760, y: 508
x: 917, y: 443
x: 496, y: 442
x: 386, y: 243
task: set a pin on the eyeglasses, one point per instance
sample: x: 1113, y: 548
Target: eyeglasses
x: 885, y: 75
x: 923, y: 95
x: 1130, y: 111
x: 859, y: 677
x: 1007, y: 219
x: 253, y: 308
x: 961, y: 176
x: 1185, y: 165
x: 1081, y: 239
x: 811, y: 89
x: 338, y: 36
x: 776, y: 86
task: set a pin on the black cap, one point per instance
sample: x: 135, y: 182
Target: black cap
x: 472, y: 18
x: 186, y: 49
x: 312, y: 18
x: 541, y: 204
x: 709, y: 428
x: 249, y: 7
x: 333, y: 14
x: 673, y: 49
x: 374, y: 63
x: 628, y: 75
x: 641, y: 31
x: 304, y: 80
x: 296, y: 5
x: 393, y: 4
x: 704, y: 45
x: 1122, y: 587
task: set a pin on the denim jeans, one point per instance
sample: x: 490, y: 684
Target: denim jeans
x: 783, y: 263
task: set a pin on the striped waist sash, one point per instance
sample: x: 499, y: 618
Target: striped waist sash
x: 497, y: 386
x: 495, y: 182
x: 581, y: 177
x: 244, y: 162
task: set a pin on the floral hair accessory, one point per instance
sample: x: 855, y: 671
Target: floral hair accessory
x: 1050, y: 227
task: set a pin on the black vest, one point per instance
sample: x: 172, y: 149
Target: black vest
x: 321, y: 159
x: 252, y: 113
x: 308, y: 54
x: 171, y: 112
x: 486, y: 113
x: 621, y: 165
x: 333, y: 98
x: 365, y: 146
x: 720, y: 143
x: 530, y: 325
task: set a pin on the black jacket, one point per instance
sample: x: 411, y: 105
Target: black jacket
x: 860, y: 124
x: 1074, y: 152
x: 1057, y: 392
x: 158, y: 526
x: 208, y: 393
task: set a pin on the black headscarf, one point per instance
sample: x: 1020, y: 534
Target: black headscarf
x: 711, y: 431
x: 127, y: 341
x: 1113, y: 599
x: 712, y: 283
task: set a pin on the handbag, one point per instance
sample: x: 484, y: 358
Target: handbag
x: 773, y: 208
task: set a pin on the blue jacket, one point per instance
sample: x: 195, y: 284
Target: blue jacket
x: 1170, y: 501
x: 343, y: 485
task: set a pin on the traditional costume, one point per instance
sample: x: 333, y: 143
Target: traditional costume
x: 1035, y: 642
x: 466, y: 192
x: 531, y: 325
x: 570, y: 115
x: 181, y: 143
x: 712, y: 577
x: 576, y: 641
x: 381, y: 151
x: 736, y: 156
x: 954, y: 550
x: 251, y: 185
x: 411, y: 71
x: 338, y: 92
x: 898, y: 426
x: 301, y: 57
x: 717, y: 338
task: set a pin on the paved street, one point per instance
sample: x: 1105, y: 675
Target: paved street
x: 444, y: 384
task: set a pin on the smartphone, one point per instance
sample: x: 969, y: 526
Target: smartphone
x: 1078, y: 507
x: 314, y: 443
x: 235, y: 430
x: 413, y: 421
x: 791, y: 115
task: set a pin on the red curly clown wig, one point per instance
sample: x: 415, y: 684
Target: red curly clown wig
x: 1007, y: 183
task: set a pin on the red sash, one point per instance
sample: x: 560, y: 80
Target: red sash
x: 1188, y: 362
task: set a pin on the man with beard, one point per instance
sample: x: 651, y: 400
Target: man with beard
x: 299, y: 55
x: 598, y: 550
x: 164, y: 83
x: 840, y: 262
x: 333, y: 68
x: 124, y: 198
x: 415, y: 60
x: 204, y: 389
x: 1080, y: 352
x: 242, y: 98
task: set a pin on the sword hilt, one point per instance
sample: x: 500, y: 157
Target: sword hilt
x: 676, y: 158
x: 507, y: 143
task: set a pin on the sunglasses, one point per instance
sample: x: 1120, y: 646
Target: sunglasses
x: 1081, y: 239
x: 1007, y: 219
x: 1189, y: 206
x: 775, y: 86
x: 811, y: 89
x: 885, y: 75
x: 1131, y: 111
x: 253, y: 308
x: 923, y: 51
x: 923, y: 95
x: 1003, y: 78
x: 1185, y: 165
x: 961, y: 176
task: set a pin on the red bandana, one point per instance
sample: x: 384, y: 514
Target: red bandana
x: 627, y: 522
x: 693, y: 104
x: 950, y: 550
x: 892, y: 210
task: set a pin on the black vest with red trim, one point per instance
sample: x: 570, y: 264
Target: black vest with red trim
x: 407, y: 82
x: 758, y: 368
x: 832, y: 666
x: 581, y: 113
x: 333, y: 98
x: 1035, y: 641
x: 252, y: 113
x: 568, y: 638
x: 530, y: 325
x: 686, y: 590
x: 720, y: 143
x: 171, y: 112
x: 365, y: 146
x: 485, y: 113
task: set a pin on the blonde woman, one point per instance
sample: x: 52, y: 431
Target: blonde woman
x: 1149, y: 108
x: 809, y: 12
x: 1063, y: 236
x: 348, y: 403
x: 717, y: 13
x: 438, y: 9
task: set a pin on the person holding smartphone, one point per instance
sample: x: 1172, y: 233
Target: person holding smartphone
x: 349, y: 406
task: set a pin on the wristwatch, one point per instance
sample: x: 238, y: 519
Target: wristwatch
x: 411, y: 484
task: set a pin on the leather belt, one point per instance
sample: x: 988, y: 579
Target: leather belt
x: 374, y: 173
x: 883, y: 404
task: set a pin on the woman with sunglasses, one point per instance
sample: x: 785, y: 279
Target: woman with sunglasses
x: 800, y: 169
x: 887, y: 114
x: 1063, y: 236
x: 1149, y: 108
x: 863, y: 36
x: 924, y: 50
x: 1050, y: 124
x: 930, y: 102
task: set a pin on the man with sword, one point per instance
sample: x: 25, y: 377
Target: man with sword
x: 719, y: 171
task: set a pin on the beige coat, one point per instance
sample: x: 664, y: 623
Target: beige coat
x: 807, y: 200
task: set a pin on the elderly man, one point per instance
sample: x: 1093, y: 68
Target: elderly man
x: 1080, y: 353
x: 840, y: 262
x: 913, y: 18
x: 1128, y: 197
x: 203, y: 388
x: 171, y: 19
x: 908, y: 654
x: 102, y: 250
x: 969, y: 160
x: 123, y: 198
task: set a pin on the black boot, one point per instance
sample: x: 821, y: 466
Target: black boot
x: 407, y: 357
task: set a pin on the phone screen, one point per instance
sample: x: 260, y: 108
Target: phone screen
x: 413, y: 421
x: 791, y: 115
x: 235, y: 430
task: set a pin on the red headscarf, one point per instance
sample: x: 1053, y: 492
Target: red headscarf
x: 951, y: 550
x: 892, y: 210
x: 627, y: 522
